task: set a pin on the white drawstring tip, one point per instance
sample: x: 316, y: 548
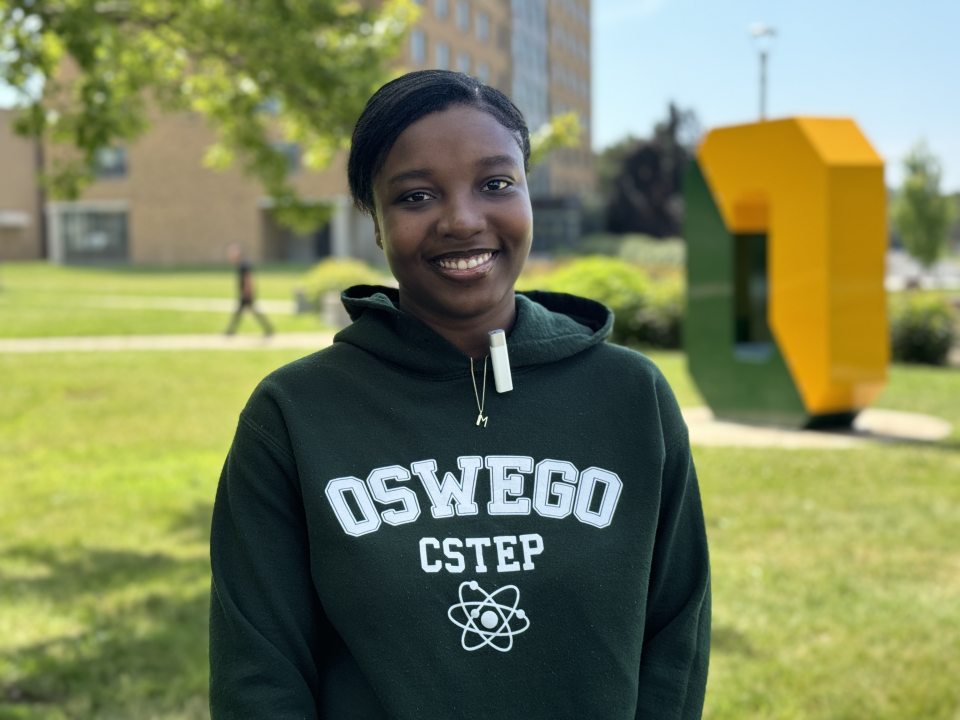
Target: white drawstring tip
x: 501, y: 361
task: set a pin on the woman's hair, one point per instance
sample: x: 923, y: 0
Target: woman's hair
x: 401, y: 102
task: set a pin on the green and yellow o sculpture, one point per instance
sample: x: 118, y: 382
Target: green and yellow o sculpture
x: 785, y: 225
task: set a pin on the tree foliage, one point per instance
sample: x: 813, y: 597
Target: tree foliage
x: 920, y: 214
x: 561, y: 131
x: 262, y: 72
x: 953, y: 236
x: 640, y: 180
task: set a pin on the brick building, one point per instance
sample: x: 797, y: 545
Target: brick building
x: 155, y: 203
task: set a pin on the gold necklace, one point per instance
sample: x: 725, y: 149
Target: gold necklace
x: 480, y: 396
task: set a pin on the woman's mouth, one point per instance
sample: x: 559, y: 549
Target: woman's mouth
x: 466, y: 265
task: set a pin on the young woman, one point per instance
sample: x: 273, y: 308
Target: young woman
x: 398, y: 533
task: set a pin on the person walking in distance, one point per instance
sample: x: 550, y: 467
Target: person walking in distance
x: 246, y: 295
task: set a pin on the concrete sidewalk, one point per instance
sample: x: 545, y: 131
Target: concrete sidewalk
x: 110, y: 343
x: 873, y: 425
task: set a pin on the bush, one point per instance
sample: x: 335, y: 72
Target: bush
x: 336, y: 275
x: 660, y: 321
x: 653, y: 254
x: 592, y: 244
x: 923, y: 328
x: 645, y: 312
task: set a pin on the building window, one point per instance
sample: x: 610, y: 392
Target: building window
x: 93, y: 235
x: 270, y: 106
x: 503, y: 37
x: 110, y: 162
x: 443, y: 56
x: 483, y: 26
x: 441, y: 8
x: 418, y: 46
x: 463, y: 62
x: 463, y: 14
x: 292, y: 153
x: 483, y: 73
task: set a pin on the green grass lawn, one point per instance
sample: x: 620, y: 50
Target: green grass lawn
x: 836, y: 573
x: 273, y: 281
x: 109, y: 463
x: 43, y: 300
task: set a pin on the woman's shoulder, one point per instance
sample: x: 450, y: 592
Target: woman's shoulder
x: 624, y: 359
x: 309, y: 376
x: 633, y: 373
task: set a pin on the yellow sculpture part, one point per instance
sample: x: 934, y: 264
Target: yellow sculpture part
x: 815, y: 187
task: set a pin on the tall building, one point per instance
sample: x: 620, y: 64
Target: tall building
x: 20, y: 201
x: 155, y: 202
x: 538, y: 53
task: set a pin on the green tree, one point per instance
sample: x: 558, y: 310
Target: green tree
x: 920, y: 214
x: 262, y: 73
x: 560, y: 131
x: 953, y: 236
x: 640, y: 180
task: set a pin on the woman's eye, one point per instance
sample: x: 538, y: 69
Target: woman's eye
x: 497, y: 184
x: 415, y: 197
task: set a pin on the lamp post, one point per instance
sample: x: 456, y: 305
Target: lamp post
x: 763, y: 35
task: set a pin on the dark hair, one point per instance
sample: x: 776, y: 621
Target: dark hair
x: 401, y: 102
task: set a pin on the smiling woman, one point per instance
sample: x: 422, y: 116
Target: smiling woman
x: 380, y: 550
x: 452, y: 214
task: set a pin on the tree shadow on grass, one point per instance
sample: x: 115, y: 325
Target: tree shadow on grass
x: 727, y: 640
x: 194, y: 524
x: 59, y: 574
x: 146, y: 660
x: 137, y: 647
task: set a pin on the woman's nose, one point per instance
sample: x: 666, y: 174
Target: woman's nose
x: 462, y: 218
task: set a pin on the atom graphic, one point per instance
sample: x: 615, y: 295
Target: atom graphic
x: 485, y: 621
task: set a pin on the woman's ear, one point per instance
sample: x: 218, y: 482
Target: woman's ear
x: 376, y: 232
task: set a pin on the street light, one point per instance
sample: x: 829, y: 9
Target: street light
x: 763, y: 35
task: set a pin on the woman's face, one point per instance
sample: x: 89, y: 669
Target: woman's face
x: 452, y: 214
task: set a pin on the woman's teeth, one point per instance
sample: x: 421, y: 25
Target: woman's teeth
x: 465, y: 263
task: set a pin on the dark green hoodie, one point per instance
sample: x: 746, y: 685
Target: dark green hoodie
x: 376, y: 554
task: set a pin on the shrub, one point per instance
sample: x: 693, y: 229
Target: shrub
x: 923, y: 328
x: 653, y: 254
x: 645, y: 312
x: 659, y: 322
x: 336, y: 275
x: 593, y: 244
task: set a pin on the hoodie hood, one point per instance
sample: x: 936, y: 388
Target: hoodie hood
x: 548, y: 327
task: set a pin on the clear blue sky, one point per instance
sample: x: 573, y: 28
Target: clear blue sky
x: 891, y: 65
